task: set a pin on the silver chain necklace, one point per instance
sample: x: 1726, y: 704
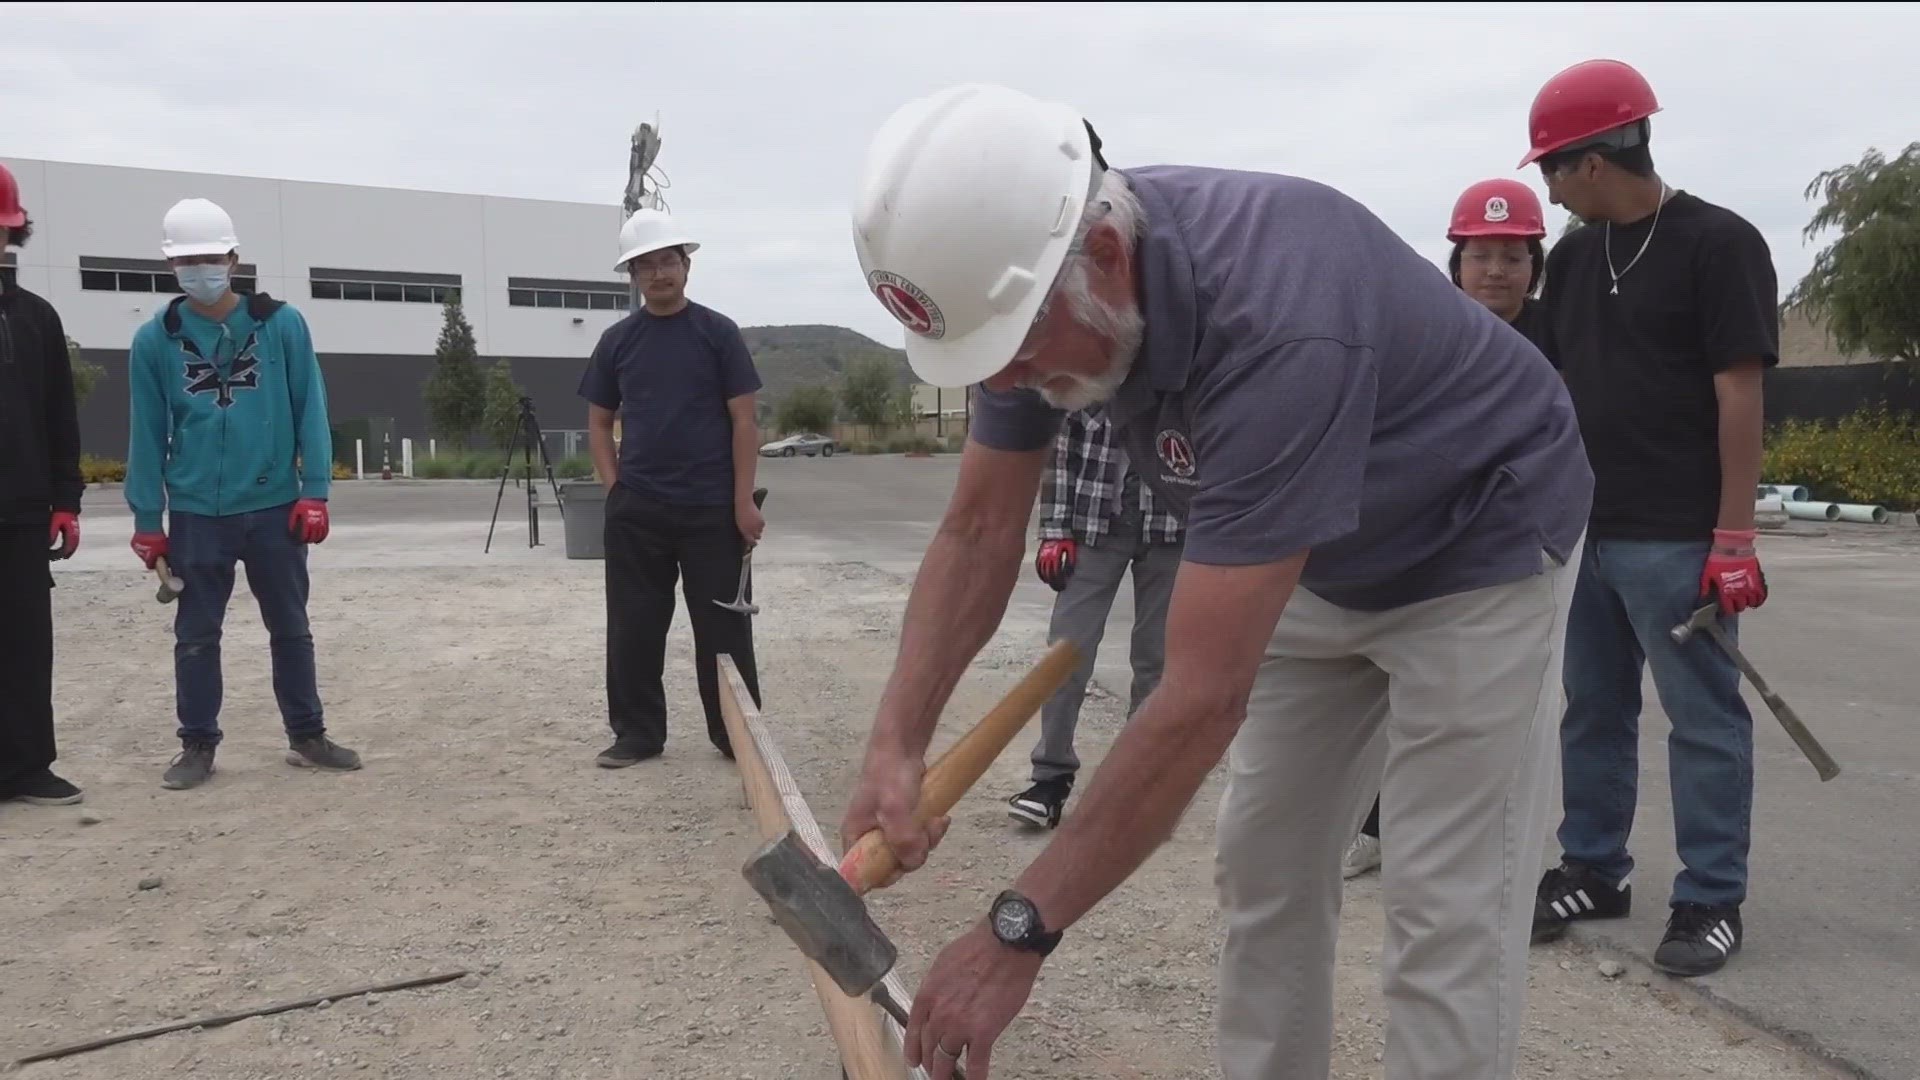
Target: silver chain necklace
x: 1665, y: 191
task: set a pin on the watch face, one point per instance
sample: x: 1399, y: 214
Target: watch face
x: 1012, y: 921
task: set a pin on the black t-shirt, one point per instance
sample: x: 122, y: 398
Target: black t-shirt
x: 1640, y: 363
x: 1532, y: 322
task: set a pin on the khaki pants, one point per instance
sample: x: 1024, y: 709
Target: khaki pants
x: 1449, y: 709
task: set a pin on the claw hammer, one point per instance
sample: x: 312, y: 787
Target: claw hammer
x: 740, y: 602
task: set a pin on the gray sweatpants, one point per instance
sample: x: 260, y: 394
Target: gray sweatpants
x: 1465, y: 691
x: 1080, y: 615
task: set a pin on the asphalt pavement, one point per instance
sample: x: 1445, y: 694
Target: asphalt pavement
x: 1832, y: 955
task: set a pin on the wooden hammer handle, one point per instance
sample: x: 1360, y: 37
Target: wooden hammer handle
x: 870, y: 861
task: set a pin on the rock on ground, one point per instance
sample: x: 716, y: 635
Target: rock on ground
x: 602, y: 913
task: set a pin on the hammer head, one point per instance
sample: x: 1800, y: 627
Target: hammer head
x: 1699, y: 620
x: 821, y: 913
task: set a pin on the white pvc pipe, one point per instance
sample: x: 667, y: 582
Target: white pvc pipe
x: 406, y: 458
x: 1787, y: 492
x: 1861, y: 512
x: 1770, y: 505
x: 359, y: 460
x: 1812, y: 511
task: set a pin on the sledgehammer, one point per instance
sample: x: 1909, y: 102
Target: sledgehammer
x: 822, y: 910
x: 1707, y: 618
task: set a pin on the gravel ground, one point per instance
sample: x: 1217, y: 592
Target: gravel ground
x: 601, y: 914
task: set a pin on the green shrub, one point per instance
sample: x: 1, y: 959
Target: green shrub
x: 95, y: 470
x: 1871, y: 456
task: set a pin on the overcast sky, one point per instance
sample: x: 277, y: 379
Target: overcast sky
x: 766, y: 111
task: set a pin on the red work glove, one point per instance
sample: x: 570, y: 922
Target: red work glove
x: 149, y: 546
x: 1733, y: 572
x: 309, y: 521
x: 1055, y: 562
x: 63, y: 530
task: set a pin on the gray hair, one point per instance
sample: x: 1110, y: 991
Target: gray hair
x: 1112, y: 200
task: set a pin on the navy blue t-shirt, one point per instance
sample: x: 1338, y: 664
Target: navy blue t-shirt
x: 669, y: 378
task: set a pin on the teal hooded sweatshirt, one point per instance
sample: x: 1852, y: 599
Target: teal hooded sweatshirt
x: 226, y: 418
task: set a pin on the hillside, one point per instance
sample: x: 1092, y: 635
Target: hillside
x: 793, y: 356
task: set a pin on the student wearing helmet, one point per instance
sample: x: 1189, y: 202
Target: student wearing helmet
x: 1383, y: 490
x: 1496, y: 232
x: 40, y: 488
x: 229, y: 441
x: 1663, y: 315
x: 678, y: 376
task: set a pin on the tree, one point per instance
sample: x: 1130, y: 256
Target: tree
x: 502, y: 404
x: 806, y: 408
x: 1573, y: 222
x: 86, y: 375
x: 456, y: 394
x: 866, y: 391
x: 1863, y: 286
x: 901, y: 410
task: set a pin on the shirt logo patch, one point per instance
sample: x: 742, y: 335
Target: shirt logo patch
x: 908, y: 303
x: 1176, y: 453
x: 1497, y: 208
x: 204, y: 378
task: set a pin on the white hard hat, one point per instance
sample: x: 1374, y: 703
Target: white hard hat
x: 650, y: 230
x: 197, y: 227
x: 968, y: 202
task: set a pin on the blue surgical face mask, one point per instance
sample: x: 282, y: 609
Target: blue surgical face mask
x: 205, y: 284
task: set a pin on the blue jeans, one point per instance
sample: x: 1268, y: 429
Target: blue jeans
x: 1630, y: 593
x: 203, y: 552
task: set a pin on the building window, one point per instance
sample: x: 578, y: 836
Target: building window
x: 562, y: 293
x: 382, y: 286
x: 148, y: 276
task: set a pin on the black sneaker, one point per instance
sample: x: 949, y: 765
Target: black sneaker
x: 191, y: 767
x: 1570, y: 893
x: 45, y: 789
x: 622, y: 754
x: 1040, y: 804
x: 320, y: 752
x: 1700, y: 939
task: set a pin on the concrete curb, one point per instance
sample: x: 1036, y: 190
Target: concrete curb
x: 1589, y: 937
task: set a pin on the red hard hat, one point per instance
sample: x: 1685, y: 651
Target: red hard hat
x: 1497, y: 207
x: 11, y: 216
x: 1584, y: 100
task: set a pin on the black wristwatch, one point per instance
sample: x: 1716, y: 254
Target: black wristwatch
x: 1016, y: 922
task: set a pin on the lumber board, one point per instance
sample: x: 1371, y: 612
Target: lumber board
x: 868, y: 1039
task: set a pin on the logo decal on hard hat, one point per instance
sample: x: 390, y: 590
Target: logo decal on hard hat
x: 908, y: 303
x: 1176, y: 453
x: 1497, y: 208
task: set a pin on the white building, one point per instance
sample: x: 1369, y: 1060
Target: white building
x: 365, y: 265
x: 368, y: 267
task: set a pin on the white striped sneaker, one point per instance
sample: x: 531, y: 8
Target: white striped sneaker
x: 1571, y: 893
x: 1700, y: 938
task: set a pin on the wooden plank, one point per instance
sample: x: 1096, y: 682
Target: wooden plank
x: 869, y: 1040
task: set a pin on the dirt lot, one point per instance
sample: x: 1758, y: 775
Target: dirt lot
x: 602, y: 912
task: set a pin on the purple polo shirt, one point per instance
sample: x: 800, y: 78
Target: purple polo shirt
x: 1310, y: 382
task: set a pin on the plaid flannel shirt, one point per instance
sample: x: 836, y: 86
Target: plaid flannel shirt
x: 1081, y: 491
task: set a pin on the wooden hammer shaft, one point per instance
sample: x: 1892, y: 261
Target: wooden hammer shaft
x: 869, y: 862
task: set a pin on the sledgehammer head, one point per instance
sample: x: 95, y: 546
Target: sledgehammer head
x: 821, y: 913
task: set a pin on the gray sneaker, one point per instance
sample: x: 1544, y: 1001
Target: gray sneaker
x: 321, y: 752
x: 191, y: 768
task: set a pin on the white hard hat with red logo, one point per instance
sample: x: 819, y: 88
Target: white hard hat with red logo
x: 650, y: 230
x: 197, y: 227
x: 968, y: 202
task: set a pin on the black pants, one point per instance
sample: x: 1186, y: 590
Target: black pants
x: 26, y: 652
x: 649, y: 545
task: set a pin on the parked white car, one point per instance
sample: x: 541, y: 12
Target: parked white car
x: 806, y: 443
